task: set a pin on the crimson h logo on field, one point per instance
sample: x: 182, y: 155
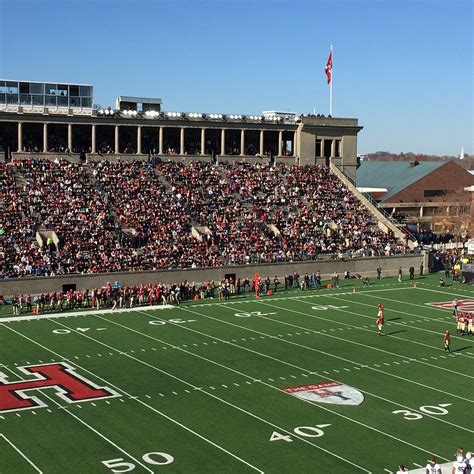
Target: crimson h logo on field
x: 463, y: 304
x: 60, y: 376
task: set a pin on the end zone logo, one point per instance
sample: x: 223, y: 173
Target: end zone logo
x: 327, y: 392
x: 68, y: 385
x: 463, y: 305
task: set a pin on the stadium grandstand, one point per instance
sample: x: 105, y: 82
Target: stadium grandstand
x: 131, y: 210
x: 89, y: 190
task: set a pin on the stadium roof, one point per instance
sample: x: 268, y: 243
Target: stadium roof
x: 393, y: 175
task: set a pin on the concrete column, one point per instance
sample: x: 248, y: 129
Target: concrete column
x: 280, y: 143
x: 322, y: 148
x: 421, y: 211
x: 203, y: 141
x: 333, y: 147
x: 261, y: 142
x: 160, y: 141
x: 181, y: 141
x: 20, y: 136
x: 93, y: 140
x: 242, y: 142
x: 139, y: 140
x: 116, y: 144
x: 447, y: 210
x: 69, y: 137
x: 45, y: 138
x: 295, y: 135
x: 223, y: 142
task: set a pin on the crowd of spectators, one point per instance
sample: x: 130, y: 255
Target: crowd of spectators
x: 117, y: 297
x: 121, y: 216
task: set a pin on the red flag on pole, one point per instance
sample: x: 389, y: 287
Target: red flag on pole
x: 328, y: 68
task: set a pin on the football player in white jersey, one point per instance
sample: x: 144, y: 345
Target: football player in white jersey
x: 458, y: 465
x: 455, y: 307
x: 433, y: 467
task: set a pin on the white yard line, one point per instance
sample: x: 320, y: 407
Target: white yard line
x: 411, y: 359
x: 213, y: 396
x: 326, y: 353
x: 24, y: 456
x: 305, y: 294
x: 450, y: 289
x: 139, y: 401
x: 98, y: 433
x: 401, y: 312
x: 442, y: 292
x: 298, y: 367
x: 373, y: 318
x: 279, y: 390
x: 424, y: 306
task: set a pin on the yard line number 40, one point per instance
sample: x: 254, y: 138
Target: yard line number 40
x: 305, y: 431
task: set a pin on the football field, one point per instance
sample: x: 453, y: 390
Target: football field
x: 293, y: 382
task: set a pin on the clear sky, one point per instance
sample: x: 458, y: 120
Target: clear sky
x: 403, y: 67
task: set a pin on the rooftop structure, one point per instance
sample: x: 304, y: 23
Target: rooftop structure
x: 46, y: 118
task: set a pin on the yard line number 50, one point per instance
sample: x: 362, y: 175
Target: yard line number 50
x: 155, y: 458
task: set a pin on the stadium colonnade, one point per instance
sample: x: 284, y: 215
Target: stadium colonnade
x: 60, y: 119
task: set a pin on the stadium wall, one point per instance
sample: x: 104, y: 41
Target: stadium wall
x: 364, y: 266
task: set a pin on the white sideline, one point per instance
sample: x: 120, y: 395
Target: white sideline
x: 34, y: 317
x: 24, y: 456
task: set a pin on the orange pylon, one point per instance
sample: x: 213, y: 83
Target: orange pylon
x: 353, y: 290
x: 414, y: 285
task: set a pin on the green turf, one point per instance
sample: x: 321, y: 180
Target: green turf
x: 203, y: 383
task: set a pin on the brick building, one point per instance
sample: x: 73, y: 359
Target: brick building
x: 435, y: 195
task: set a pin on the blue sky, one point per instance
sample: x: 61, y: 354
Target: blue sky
x: 403, y: 67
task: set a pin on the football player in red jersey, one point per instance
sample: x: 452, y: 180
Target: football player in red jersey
x: 460, y: 323
x: 470, y: 323
x: 447, y: 341
x: 380, y: 319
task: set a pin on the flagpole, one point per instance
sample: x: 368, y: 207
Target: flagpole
x: 330, y: 86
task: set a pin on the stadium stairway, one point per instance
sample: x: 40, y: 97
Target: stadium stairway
x: 384, y: 221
